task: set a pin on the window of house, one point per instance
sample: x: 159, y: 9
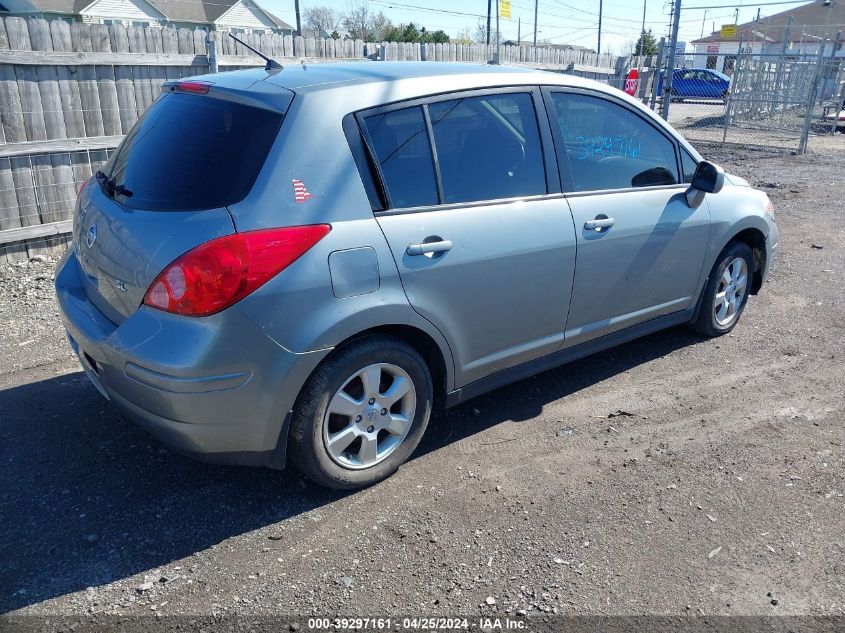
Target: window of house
x: 118, y: 22
x: 610, y: 147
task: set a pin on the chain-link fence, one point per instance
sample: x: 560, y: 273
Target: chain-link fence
x: 775, y: 100
x: 826, y: 115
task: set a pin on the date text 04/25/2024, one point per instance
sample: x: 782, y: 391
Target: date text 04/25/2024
x: 417, y: 624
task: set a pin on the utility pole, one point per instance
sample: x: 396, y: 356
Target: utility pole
x: 670, y: 66
x: 519, y: 31
x: 642, y: 33
x: 703, y: 20
x: 536, y: 2
x: 498, y: 39
x: 298, y: 21
x: 598, y: 47
x: 489, y: 5
x: 785, y: 37
x: 736, y: 15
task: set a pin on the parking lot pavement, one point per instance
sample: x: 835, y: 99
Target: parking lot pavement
x: 671, y: 475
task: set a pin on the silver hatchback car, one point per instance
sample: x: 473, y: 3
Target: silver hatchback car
x: 302, y: 262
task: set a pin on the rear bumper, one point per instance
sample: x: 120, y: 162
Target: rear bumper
x: 215, y: 387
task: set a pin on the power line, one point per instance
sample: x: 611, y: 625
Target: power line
x: 744, y: 6
x: 420, y: 8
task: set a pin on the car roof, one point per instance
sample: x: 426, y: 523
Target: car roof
x: 712, y: 71
x: 366, y: 72
x: 354, y: 86
x: 415, y: 76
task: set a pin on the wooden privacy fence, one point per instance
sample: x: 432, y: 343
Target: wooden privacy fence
x: 70, y: 91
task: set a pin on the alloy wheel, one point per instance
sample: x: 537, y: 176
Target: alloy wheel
x: 731, y: 292
x: 369, y: 416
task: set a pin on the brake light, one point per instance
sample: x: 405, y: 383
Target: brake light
x: 82, y: 187
x: 195, y: 87
x: 219, y: 273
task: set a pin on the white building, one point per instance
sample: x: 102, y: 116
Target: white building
x: 799, y: 30
x: 237, y: 16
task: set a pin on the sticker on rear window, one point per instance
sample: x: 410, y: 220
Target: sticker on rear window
x: 300, y: 193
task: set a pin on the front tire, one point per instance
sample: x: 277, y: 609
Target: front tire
x: 726, y: 292
x: 362, y: 413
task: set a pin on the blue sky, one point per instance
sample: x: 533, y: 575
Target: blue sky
x: 560, y: 21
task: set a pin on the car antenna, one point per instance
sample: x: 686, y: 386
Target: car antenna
x: 272, y: 64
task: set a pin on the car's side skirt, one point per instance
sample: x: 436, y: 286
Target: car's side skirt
x: 567, y: 355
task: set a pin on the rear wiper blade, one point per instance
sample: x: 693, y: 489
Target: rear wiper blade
x: 110, y: 187
x: 121, y: 190
x: 104, y: 181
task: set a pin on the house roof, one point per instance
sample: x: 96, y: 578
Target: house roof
x: 813, y: 18
x: 205, y: 10
x: 46, y: 6
x: 199, y: 11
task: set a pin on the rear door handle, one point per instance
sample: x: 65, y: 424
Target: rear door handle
x: 429, y: 247
x: 599, y: 223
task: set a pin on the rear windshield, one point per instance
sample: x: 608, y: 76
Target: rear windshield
x: 192, y: 152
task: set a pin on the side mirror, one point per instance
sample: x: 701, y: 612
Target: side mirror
x: 708, y: 178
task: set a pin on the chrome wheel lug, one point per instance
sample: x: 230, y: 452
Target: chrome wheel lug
x: 372, y: 400
x: 384, y: 411
x: 358, y: 418
x: 370, y: 429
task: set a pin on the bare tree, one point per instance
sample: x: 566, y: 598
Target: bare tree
x: 464, y: 36
x: 321, y: 20
x: 629, y: 47
x: 378, y: 25
x: 356, y: 20
x: 480, y: 33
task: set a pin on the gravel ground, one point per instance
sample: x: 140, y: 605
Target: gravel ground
x: 671, y: 475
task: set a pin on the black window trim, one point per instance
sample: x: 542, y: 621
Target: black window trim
x: 363, y: 159
x: 429, y: 128
x: 553, y: 189
x: 681, y: 151
x: 563, y: 159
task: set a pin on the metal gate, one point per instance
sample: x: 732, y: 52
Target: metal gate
x: 764, y: 100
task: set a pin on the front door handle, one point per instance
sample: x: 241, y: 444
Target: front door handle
x: 599, y: 224
x: 427, y: 248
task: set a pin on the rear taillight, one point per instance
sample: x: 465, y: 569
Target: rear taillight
x: 214, y: 275
x: 195, y: 87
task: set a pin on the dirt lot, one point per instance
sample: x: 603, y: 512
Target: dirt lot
x: 671, y: 475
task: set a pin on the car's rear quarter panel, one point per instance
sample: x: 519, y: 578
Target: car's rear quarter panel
x: 299, y: 309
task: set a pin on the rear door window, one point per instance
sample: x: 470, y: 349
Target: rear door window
x: 193, y: 152
x: 399, y: 140
x: 488, y: 147
x: 610, y: 147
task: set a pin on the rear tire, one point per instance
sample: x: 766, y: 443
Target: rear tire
x: 350, y: 427
x: 726, y: 292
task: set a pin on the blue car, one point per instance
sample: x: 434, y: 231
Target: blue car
x: 697, y: 83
